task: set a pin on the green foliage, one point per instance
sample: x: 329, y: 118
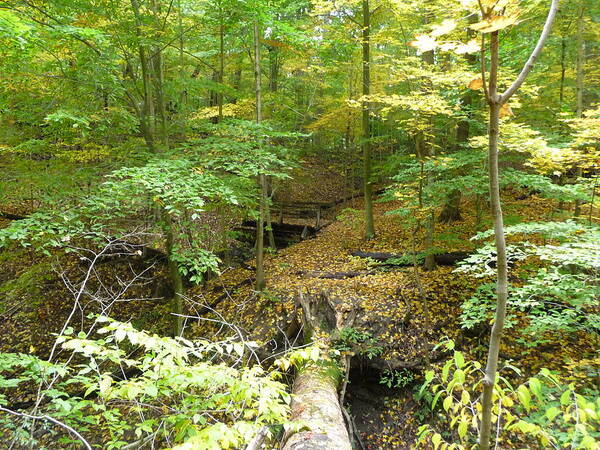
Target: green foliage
x: 406, y: 259
x: 245, y: 148
x: 195, y: 263
x: 396, y: 378
x: 542, y: 412
x: 193, y: 395
x: 359, y: 342
x: 559, y: 287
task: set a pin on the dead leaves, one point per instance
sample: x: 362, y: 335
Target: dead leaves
x: 475, y: 84
x: 506, y: 111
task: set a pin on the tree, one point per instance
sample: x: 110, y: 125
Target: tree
x: 492, y: 22
x: 349, y: 10
x: 366, y: 120
x: 262, y: 181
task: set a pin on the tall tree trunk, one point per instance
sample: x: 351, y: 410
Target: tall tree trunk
x: 237, y: 80
x: 273, y: 69
x: 221, y: 61
x: 429, y: 263
x: 268, y: 201
x: 146, y: 111
x: 183, y: 95
x: 563, y: 71
x: 451, y: 210
x: 579, y: 85
x: 501, y: 265
x: 262, y: 179
x: 580, y: 61
x: 366, y: 121
x: 159, y: 83
x: 495, y: 102
x: 422, y: 153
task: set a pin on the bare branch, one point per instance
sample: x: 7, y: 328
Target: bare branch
x: 51, y: 419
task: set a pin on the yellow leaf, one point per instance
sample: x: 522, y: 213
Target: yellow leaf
x: 475, y: 84
x: 444, y: 28
x: 505, y: 110
x: 495, y: 23
x: 423, y: 43
x: 472, y: 46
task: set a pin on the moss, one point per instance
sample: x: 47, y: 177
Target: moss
x: 28, y: 285
x: 327, y: 369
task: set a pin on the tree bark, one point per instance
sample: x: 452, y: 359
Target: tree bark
x: 315, y: 400
x: 451, y: 211
x: 158, y: 81
x: 429, y: 263
x: 262, y: 180
x: 221, y: 61
x: 563, y: 71
x: 146, y: 111
x: 501, y: 265
x: 315, y: 403
x: 273, y: 69
x: 579, y: 86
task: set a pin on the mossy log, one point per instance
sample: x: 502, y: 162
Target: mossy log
x: 442, y: 259
x: 315, y: 400
x: 332, y: 275
x: 315, y: 403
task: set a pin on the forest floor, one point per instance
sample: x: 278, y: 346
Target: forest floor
x: 389, y: 307
x: 401, y: 322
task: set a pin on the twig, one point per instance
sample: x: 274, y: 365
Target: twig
x: 51, y: 419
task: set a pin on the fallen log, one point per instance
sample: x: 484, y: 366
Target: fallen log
x: 405, y: 260
x: 9, y: 216
x: 315, y: 403
x: 315, y: 400
x: 332, y: 275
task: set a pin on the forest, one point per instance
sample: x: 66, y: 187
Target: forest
x: 300, y: 224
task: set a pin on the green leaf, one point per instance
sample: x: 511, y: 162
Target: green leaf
x: 552, y: 412
x: 446, y: 370
x: 436, y: 439
x: 104, y: 384
x: 536, y: 387
x: 588, y: 442
x: 447, y: 403
x: 151, y: 390
x: 460, y: 359
x: 462, y: 428
x: 565, y: 397
x: 524, y: 397
x: 435, y: 399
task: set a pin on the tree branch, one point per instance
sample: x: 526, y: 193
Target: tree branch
x: 534, y: 55
x: 51, y: 419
